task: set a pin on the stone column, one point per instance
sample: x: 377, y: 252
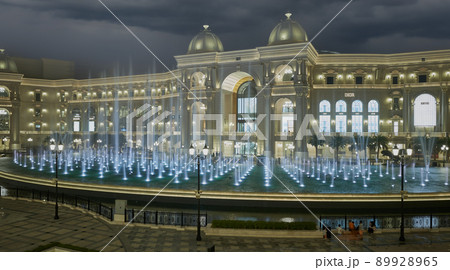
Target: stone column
x: 268, y: 126
x: 210, y: 109
x: 186, y: 124
x: 15, y: 117
x: 444, y: 109
x: 15, y: 126
x: 406, y: 110
x: 301, y: 108
x: 186, y: 121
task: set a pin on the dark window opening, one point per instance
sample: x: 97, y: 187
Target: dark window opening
x: 37, y: 127
x: 37, y: 97
x: 330, y: 80
x: 422, y: 78
x: 37, y: 112
x: 395, y: 80
x: 358, y: 80
x: 396, y: 105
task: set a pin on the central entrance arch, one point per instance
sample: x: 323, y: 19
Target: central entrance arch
x: 240, y: 106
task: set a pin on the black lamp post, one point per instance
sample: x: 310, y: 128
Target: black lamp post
x: 195, y: 154
x: 401, y: 153
x: 56, y: 150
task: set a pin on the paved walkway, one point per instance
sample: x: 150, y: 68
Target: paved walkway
x: 25, y: 225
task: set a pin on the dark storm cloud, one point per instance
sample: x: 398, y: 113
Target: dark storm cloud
x: 84, y: 32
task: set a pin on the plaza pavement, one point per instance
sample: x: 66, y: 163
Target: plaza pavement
x: 25, y: 225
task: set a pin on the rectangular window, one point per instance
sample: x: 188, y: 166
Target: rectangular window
x: 37, y: 97
x: 359, y: 80
x: 76, y: 126
x: 357, y: 123
x: 330, y: 80
x: 287, y: 124
x: 324, y: 121
x: 396, y: 105
x: 396, y: 127
x: 395, y: 80
x: 373, y: 123
x: 422, y: 78
x: 37, y: 127
x: 91, y: 126
x: 37, y: 112
x: 341, y: 123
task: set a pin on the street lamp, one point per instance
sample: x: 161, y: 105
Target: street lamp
x: 57, y: 150
x: 444, y: 148
x: 196, y: 154
x: 402, y: 153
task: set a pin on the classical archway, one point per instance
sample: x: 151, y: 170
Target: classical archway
x: 240, y: 107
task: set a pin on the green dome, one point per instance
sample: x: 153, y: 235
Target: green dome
x: 287, y: 31
x: 205, y: 41
x: 7, y: 65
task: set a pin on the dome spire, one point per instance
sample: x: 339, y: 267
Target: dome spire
x: 287, y: 31
x: 205, y: 41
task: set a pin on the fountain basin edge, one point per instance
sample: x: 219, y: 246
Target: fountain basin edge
x: 114, y: 190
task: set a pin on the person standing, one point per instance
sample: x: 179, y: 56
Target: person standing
x: 360, y: 229
x: 351, y: 227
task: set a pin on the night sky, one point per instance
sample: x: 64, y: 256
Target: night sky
x: 83, y: 31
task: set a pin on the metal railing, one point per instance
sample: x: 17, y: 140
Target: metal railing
x: 76, y: 201
x: 412, y: 221
x: 164, y: 218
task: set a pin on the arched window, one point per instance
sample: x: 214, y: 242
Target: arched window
x: 341, y: 106
x: 324, y: 116
x: 198, y: 79
x: 4, y: 119
x: 357, y: 120
x: 357, y: 106
x: 341, y: 117
x: 425, y: 111
x: 4, y: 92
x: 373, y: 116
x: 324, y: 106
x: 246, y: 107
x: 284, y: 73
x: 373, y: 106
